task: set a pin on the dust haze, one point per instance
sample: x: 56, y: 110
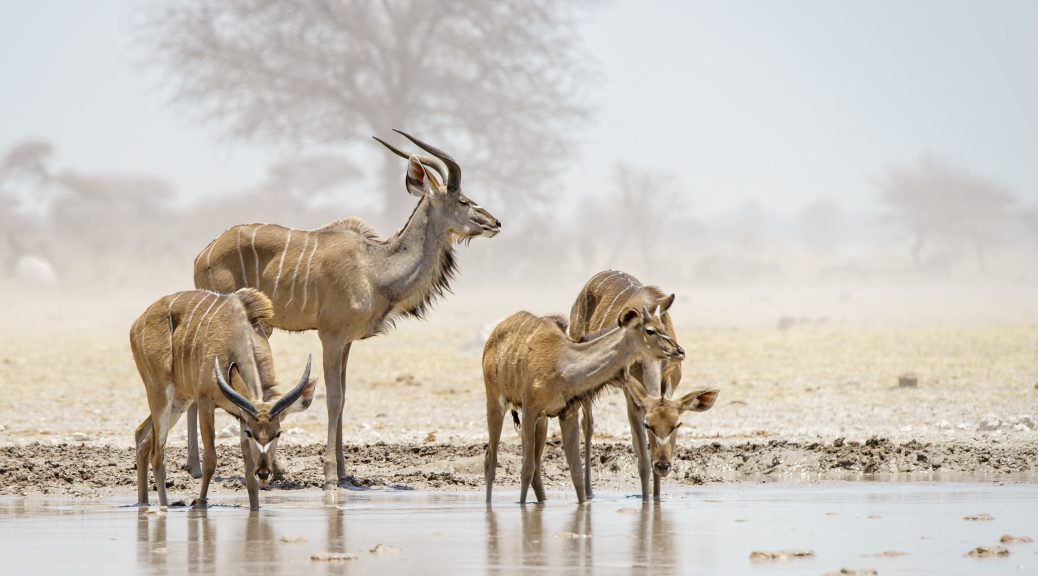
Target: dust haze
x: 928, y: 235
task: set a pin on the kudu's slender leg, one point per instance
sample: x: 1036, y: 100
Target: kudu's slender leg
x: 529, y: 434
x: 340, y: 458
x: 192, y: 465
x: 162, y: 420
x: 495, y: 420
x: 332, y: 350
x: 207, y: 425
x: 542, y: 438
x: 589, y: 430
x: 639, y: 442
x: 571, y: 446
x: 142, y: 438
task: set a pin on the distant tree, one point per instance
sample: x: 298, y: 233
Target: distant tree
x: 641, y: 208
x: 25, y: 175
x: 941, y: 205
x: 498, y: 84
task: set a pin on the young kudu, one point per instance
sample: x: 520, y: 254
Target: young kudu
x: 604, y: 296
x: 187, y: 347
x: 530, y: 364
x: 347, y: 283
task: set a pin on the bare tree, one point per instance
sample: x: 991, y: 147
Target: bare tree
x: 946, y: 207
x: 501, y: 81
x: 643, y: 206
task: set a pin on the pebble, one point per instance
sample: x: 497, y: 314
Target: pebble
x: 80, y: 437
x: 381, y: 549
x: 908, y: 380
x: 979, y: 517
x: 987, y: 552
x: 850, y: 572
x: 333, y: 557
x: 1010, y: 539
x: 781, y: 555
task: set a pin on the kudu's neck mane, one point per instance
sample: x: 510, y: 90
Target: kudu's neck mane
x: 414, y: 267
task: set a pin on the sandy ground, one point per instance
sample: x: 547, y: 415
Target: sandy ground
x: 818, y: 395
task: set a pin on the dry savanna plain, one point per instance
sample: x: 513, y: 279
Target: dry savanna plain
x: 854, y: 387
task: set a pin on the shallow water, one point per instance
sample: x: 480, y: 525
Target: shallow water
x: 708, y: 530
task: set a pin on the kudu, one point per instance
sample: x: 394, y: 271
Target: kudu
x: 187, y: 347
x: 346, y: 282
x: 599, y: 301
x: 663, y: 418
x: 530, y: 364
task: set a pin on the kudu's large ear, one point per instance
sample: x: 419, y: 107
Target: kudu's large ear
x: 699, y: 400
x: 638, y: 393
x: 664, y: 304
x: 298, y: 398
x: 419, y: 181
x: 628, y: 316
x: 229, y: 393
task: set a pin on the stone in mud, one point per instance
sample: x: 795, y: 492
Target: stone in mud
x: 571, y: 535
x: 851, y: 572
x: 908, y: 380
x: 1010, y: 539
x: 781, y: 555
x: 292, y: 540
x: 889, y: 554
x: 333, y: 557
x: 988, y: 552
x: 979, y: 517
x: 80, y: 437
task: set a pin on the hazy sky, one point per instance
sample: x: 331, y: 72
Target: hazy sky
x: 773, y: 102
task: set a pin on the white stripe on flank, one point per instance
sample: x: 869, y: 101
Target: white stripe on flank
x: 241, y: 260
x: 281, y: 264
x: 183, y: 344
x: 255, y: 255
x: 306, y: 278
x: 295, y: 273
x: 608, y: 274
x: 205, y: 340
x: 208, y: 264
x: 200, y: 320
x: 608, y: 311
x: 169, y: 318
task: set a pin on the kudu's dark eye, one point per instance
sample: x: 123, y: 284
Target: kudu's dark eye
x: 248, y: 433
x: 646, y: 424
x: 278, y: 435
x: 650, y: 331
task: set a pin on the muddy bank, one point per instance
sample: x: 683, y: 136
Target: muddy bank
x: 93, y: 471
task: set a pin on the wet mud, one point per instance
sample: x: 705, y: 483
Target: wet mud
x: 86, y: 471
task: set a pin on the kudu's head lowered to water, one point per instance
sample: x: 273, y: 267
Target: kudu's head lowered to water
x: 663, y: 418
x: 261, y: 421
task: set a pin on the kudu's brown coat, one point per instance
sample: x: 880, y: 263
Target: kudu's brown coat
x: 598, y: 304
x: 346, y: 282
x: 187, y: 346
x: 530, y: 364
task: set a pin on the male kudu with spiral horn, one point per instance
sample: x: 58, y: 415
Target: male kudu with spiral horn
x: 347, y: 283
x: 187, y: 347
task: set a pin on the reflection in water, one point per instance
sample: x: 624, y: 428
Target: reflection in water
x: 532, y: 539
x: 654, y: 540
x: 201, y: 538
x: 260, y: 545
x: 151, y: 538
